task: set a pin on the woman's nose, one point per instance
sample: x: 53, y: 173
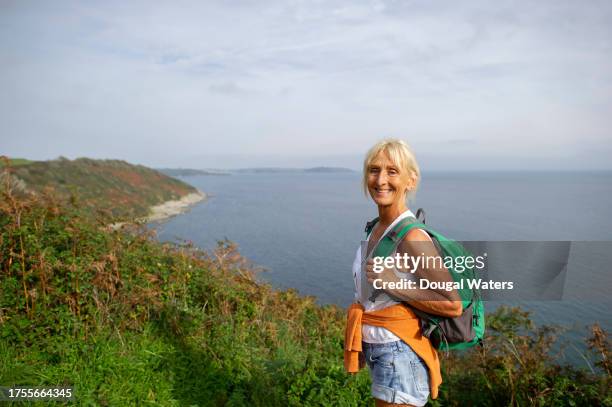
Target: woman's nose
x: 381, y: 179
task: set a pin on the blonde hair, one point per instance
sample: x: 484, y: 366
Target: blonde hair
x: 400, y: 153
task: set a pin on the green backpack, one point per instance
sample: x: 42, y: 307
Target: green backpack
x: 445, y: 333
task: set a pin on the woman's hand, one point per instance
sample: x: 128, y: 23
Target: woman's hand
x: 386, y: 275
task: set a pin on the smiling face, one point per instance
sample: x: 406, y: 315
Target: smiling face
x: 387, y: 183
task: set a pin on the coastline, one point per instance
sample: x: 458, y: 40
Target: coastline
x: 172, y: 208
x: 167, y: 209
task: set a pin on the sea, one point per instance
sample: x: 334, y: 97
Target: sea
x: 303, y: 229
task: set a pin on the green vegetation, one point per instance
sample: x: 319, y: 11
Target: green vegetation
x: 13, y: 162
x: 128, y: 320
x: 123, y: 190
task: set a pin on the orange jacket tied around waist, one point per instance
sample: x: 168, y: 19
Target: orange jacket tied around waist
x: 400, y: 320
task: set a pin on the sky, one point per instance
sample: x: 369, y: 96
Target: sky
x: 470, y: 85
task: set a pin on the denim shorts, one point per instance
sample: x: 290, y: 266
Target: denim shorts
x: 398, y: 374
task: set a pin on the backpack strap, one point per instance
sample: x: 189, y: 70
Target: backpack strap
x: 390, y: 241
x: 419, y: 218
x: 369, y: 226
x: 420, y: 215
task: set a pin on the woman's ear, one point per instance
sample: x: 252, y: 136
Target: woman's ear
x: 414, y: 179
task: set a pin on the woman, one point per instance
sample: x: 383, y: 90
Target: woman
x: 404, y: 366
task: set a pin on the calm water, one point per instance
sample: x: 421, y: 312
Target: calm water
x: 304, y: 228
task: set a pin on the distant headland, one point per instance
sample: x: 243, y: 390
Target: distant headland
x: 187, y: 172
x: 283, y: 169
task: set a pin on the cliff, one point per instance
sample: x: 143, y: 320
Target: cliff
x: 120, y: 189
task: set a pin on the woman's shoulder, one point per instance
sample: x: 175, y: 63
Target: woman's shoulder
x: 417, y: 235
x: 417, y: 240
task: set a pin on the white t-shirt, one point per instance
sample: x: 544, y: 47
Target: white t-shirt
x: 369, y: 333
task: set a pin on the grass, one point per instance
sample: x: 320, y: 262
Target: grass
x: 13, y: 162
x: 128, y: 320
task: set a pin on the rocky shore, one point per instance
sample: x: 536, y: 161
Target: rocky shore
x: 167, y: 209
x: 172, y: 208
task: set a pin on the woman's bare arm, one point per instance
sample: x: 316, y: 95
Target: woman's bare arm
x: 436, y: 301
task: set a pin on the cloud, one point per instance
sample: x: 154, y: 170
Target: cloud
x: 149, y: 80
x: 228, y: 88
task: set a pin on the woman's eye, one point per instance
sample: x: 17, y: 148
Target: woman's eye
x: 392, y: 172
